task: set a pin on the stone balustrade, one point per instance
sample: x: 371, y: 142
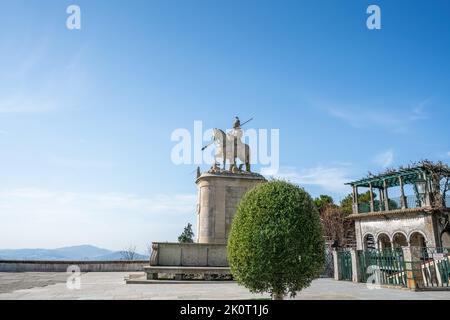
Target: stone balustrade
x: 62, y: 266
x: 188, y: 254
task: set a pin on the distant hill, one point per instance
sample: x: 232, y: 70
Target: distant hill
x: 83, y: 252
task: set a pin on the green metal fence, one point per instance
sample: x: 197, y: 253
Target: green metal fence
x: 345, y: 265
x: 394, y: 203
x: 431, y: 267
x: 383, y: 267
x: 364, y: 207
x: 328, y: 271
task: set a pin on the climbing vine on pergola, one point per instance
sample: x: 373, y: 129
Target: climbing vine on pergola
x: 440, y: 181
x: 438, y: 173
x: 425, y: 174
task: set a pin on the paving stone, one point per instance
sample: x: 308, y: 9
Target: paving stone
x: 111, y: 285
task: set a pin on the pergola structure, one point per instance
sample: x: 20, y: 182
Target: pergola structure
x: 416, y: 176
x: 412, y: 219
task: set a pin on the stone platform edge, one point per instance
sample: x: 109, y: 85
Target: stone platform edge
x: 63, y: 265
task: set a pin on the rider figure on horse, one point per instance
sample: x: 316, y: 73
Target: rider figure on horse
x: 237, y: 131
x: 235, y: 136
x: 237, y: 123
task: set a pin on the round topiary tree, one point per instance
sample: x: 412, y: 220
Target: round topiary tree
x: 276, y: 241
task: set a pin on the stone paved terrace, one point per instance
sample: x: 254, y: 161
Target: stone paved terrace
x: 111, y: 285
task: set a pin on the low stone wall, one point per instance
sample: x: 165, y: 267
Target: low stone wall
x: 61, y: 266
x: 189, y: 254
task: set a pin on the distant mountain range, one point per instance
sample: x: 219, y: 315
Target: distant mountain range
x: 83, y: 252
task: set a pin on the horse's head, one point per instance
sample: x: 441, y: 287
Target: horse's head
x: 218, y: 135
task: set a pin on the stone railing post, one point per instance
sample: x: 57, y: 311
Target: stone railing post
x: 411, y: 256
x: 337, y: 269
x: 355, y: 266
x: 154, y: 258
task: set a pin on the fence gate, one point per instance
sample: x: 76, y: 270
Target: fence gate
x: 328, y: 271
x: 345, y: 264
x: 382, y: 267
x: 431, y: 267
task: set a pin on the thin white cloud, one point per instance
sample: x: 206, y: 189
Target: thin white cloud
x: 328, y: 178
x: 20, y: 103
x: 30, y: 59
x: 418, y: 112
x: 171, y: 205
x: 393, y: 120
x: 33, y: 90
x: 385, y: 159
x: 75, y: 163
x: 33, y: 217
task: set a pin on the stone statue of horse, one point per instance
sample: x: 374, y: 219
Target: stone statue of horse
x: 229, y: 147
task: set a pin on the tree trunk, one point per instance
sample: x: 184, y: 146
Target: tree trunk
x: 277, y: 296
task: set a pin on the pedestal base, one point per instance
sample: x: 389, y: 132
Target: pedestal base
x: 218, y: 196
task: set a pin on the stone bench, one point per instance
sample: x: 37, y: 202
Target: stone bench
x: 188, y: 254
x: 181, y: 272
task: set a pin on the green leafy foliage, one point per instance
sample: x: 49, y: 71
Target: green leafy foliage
x: 187, y: 236
x: 323, y: 201
x: 276, y: 241
x: 346, y: 203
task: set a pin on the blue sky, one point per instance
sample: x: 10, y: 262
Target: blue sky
x: 86, y: 115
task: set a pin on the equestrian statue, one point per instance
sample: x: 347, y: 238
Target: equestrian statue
x: 229, y: 146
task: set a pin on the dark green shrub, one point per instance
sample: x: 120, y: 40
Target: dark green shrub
x: 276, y: 242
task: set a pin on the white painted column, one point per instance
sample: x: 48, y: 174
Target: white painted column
x: 386, y: 196
x: 402, y: 196
x: 355, y: 266
x: 337, y: 271
x: 371, y: 197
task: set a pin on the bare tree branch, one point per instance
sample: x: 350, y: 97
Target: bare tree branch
x: 129, y: 254
x: 335, y: 226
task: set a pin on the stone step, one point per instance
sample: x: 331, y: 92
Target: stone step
x: 187, y: 270
x: 181, y: 272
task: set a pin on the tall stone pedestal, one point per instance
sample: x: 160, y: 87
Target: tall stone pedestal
x: 218, y: 196
x: 219, y: 193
